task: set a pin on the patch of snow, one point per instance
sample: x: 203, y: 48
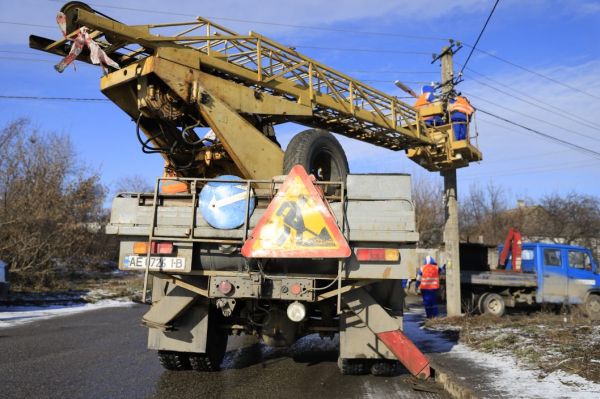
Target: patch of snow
x: 501, y: 373
x: 16, y: 315
x: 509, y: 377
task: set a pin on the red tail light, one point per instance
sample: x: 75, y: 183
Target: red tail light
x: 158, y: 248
x: 378, y: 254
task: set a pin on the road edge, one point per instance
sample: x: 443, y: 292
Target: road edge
x: 453, y: 385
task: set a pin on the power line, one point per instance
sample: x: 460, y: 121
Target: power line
x: 406, y: 36
x: 564, y: 114
x: 363, y: 50
x: 541, y: 75
x: 537, y: 100
x: 19, y: 52
x: 576, y: 147
x: 534, y: 118
x: 529, y: 171
x: 75, y: 99
x: 529, y: 156
x: 349, y: 72
x: 332, y: 30
x: 26, y: 59
x: 421, y: 82
x: 394, y: 72
x: 532, y: 170
x: 480, y: 34
x: 28, y: 24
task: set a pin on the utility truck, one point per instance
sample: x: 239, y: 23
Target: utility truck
x: 239, y: 236
x: 544, y: 273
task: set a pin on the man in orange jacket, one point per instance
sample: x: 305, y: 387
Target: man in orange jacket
x: 460, y: 114
x: 428, y: 280
x: 427, y: 97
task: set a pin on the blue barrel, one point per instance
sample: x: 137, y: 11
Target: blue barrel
x: 223, y: 204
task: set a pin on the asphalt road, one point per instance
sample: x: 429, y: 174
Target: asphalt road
x: 102, y: 354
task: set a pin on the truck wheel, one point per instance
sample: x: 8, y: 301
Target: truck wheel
x: 592, y: 306
x: 493, y: 304
x: 319, y: 152
x: 175, y: 361
x: 385, y: 368
x: 216, y: 346
x: 353, y: 366
x: 480, y: 302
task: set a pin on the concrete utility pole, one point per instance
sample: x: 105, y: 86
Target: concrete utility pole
x: 451, y: 233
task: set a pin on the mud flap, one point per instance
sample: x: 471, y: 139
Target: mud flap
x: 168, y: 307
x: 385, y: 327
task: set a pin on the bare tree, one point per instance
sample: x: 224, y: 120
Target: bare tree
x: 429, y: 210
x: 49, y: 203
x: 132, y: 184
x: 570, y: 218
x: 484, y: 214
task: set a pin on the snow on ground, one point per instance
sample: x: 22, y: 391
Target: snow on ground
x: 508, y: 376
x: 15, y: 315
x: 493, y: 373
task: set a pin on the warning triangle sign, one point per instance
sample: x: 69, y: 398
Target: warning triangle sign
x: 297, y: 224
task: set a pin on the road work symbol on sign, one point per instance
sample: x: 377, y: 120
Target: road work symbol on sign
x: 297, y: 224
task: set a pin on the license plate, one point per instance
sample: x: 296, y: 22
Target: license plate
x: 157, y: 263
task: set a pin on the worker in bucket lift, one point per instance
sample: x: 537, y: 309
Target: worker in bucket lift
x: 428, y: 280
x: 460, y: 114
x: 427, y: 97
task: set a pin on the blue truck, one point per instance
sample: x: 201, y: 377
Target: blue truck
x: 550, y: 273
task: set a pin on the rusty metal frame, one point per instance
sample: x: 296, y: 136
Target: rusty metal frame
x: 339, y: 103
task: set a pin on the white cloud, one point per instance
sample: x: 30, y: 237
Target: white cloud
x: 586, y: 8
x: 315, y: 13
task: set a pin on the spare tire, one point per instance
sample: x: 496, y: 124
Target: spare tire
x: 319, y: 152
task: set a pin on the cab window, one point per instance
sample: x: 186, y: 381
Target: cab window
x: 552, y: 257
x: 577, y: 259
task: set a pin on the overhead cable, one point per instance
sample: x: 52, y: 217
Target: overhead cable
x: 555, y: 109
x: 595, y: 138
x: 75, y: 99
x: 565, y: 143
x: 479, y: 37
x: 406, y: 36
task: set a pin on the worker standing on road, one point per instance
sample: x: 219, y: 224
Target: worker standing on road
x: 427, y: 97
x: 460, y: 114
x: 428, y: 280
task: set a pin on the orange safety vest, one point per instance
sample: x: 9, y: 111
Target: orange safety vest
x: 461, y: 104
x: 430, y: 277
x: 421, y: 102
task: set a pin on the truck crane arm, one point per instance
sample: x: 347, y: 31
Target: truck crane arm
x: 178, y: 77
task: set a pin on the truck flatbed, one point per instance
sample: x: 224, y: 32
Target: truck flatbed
x: 499, y: 278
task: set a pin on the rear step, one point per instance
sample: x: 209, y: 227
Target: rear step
x: 385, y: 327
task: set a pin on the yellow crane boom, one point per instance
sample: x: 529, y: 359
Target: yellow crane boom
x: 176, y: 77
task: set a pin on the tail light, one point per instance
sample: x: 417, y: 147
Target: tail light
x: 157, y: 248
x: 378, y: 254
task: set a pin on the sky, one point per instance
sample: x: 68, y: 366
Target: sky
x: 554, y: 87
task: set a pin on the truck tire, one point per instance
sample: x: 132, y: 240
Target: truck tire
x: 494, y: 305
x: 353, y: 366
x: 385, y: 368
x: 174, y: 361
x: 592, y: 306
x: 216, y: 346
x: 319, y: 152
x: 480, y: 302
